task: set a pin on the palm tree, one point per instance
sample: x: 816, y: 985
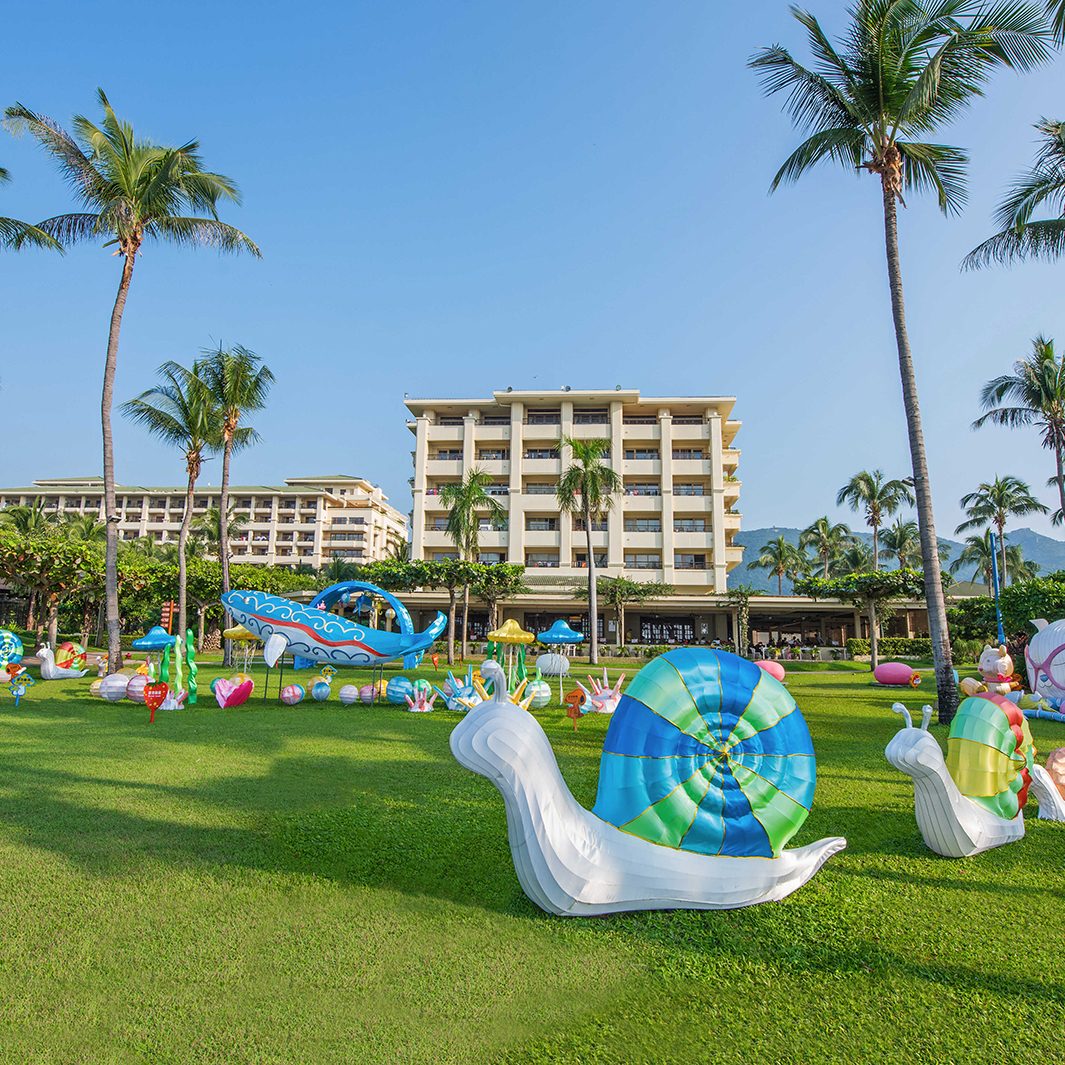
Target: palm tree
x: 826, y: 539
x: 994, y: 503
x: 904, y: 68
x: 464, y: 499
x: 15, y: 234
x: 587, y: 487
x: 28, y: 520
x: 780, y: 558
x: 400, y: 551
x: 207, y: 528
x: 858, y: 558
x: 239, y: 386
x: 133, y: 191
x: 977, y: 554
x: 181, y: 412
x: 84, y: 527
x: 878, y: 498
x: 1019, y: 237
x: 902, y: 542
x: 1037, y: 388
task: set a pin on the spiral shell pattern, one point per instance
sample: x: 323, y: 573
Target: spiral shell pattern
x: 990, y: 753
x: 707, y: 753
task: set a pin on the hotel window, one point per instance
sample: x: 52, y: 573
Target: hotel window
x: 640, y: 419
x: 340, y: 521
x: 445, y: 556
x: 642, y: 454
x: 652, y: 525
x: 688, y: 419
x: 449, y: 419
x: 496, y: 419
x: 244, y: 503
x: 498, y: 454
x: 662, y: 631
x: 539, y: 489
x: 689, y: 561
x: 437, y: 525
x: 688, y: 490
x: 589, y: 417
x: 580, y: 559
x: 638, y: 561
x: 541, y: 524
x: 492, y: 558
x: 648, y: 489
x: 544, y: 417
x: 485, y: 525
x: 497, y: 490
x: 597, y: 526
x: 541, y: 452
x: 453, y: 454
x: 541, y: 559
x: 687, y: 452
x: 358, y: 537
x: 683, y: 525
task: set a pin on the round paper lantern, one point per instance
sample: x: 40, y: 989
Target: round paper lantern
x: 320, y: 690
x: 553, y: 665
x: 540, y: 691
x: 896, y: 674
x: 240, y: 678
x: 292, y: 694
x: 366, y: 693
x: 113, y: 687
x: 70, y: 656
x: 397, y: 691
x: 94, y: 688
x: 774, y: 669
x: 135, y: 688
x: 348, y: 694
x: 214, y: 683
x: 10, y: 647
x: 423, y: 686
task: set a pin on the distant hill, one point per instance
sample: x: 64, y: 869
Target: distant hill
x: 1047, y: 553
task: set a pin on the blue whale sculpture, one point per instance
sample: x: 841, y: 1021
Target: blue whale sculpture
x: 322, y: 637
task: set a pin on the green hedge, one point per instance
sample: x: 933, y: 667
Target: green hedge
x: 893, y: 646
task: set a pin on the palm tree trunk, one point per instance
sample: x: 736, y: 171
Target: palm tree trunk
x: 451, y: 625
x: 114, y: 623
x: 1002, y: 551
x: 876, y: 548
x: 1061, y: 479
x: 465, y: 619
x: 874, y: 659
x: 780, y: 582
x: 593, y: 603
x: 182, y: 539
x: 620, y: 622
x: 933, y: 583
x: 223, y: 544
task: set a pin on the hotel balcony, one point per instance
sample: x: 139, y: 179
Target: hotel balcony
x: 491, y: 432
x: 538, y: 431
x: 690, y: 432
x: 541, y: 467
x: 540, y: 540
x: 444, y: 467
x: 493, y: 467
x: 695, y: 505
x: 693, y: 541
x: 641, y: 432
x: 691, y: 468
x: 648, y: 469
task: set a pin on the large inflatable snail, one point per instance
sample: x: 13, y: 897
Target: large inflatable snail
x: 972, y: 800
x: 707, y: 772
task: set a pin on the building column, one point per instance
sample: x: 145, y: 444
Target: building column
x: 665, y: 454
x: 515, y: 509
x: 421, y: 460
x: 615, y: 518
x: 717, y: 504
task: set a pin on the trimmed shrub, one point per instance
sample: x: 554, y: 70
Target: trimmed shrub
x: 893, y: 647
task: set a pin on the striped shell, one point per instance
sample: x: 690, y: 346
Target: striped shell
x: 707, y: 753
x: 990, y: 753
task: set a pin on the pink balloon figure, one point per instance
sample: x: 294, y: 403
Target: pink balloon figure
x: 774, y: 669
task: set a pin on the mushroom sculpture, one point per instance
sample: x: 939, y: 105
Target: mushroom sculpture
x: 707, y: 772
x: 973, y: 799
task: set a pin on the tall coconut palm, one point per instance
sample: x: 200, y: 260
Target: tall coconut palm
x: 858, y: 558
x: 903, y: 69
x: 181, y: 412
x: 134, y: 191
x: 879, y: 499
x: 207, y: 528
x: 977, y: 555
x: 587, y: 487
x: 466, y: 500
x: 902, y: 542
x: 780, y: 558
x: 240, y: 386
x: 994, y: 504
x: 1037, y: 389
x: 826, y: 539
x: 1019, y: 238
x: 15, y: 234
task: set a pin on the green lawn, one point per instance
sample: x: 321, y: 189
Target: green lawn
x: 325, y: 884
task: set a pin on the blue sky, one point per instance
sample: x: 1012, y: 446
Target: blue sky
x: 456, y: 197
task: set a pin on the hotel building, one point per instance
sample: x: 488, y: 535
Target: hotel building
x: 308, y: 520
x: 674, y: 521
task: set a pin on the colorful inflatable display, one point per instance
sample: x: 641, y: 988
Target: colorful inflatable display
x: 292, y: 694
x: 896, y: 675
x: 772, y: 667
x: 320, y: 636
x: 652, y: 843
x: 72, y: 654
x: 1044, y: 658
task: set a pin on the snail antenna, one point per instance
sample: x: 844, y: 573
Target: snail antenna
x: 900, y: 709
x: 926, y: 716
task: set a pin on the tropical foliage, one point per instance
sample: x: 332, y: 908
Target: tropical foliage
x: 827, y: 540
x: 877, y: 498
x: 15, y: 234
x: 619, y: 592
x: 978, y: 557
x: 994, y: 504
x: 782, y: 559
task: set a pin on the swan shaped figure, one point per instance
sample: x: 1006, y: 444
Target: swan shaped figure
x: 951, y: 823
x: 572, y: 863
x: 50, y: 671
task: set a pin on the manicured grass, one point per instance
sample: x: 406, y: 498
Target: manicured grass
x: 325, y: 884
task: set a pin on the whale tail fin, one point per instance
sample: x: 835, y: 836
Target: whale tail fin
x: 413, y: 659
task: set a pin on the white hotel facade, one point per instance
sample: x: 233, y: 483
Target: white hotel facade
x: 674, y: 522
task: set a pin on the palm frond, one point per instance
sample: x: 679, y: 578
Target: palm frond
x: 73, y: 228
x: 844, y: 145
x: 938, y: 167
x: 1037, y: 240
x: 813, y: 102
x: 15, y: 235
x: 202, y: 232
